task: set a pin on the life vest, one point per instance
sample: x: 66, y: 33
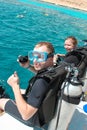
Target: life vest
x: 48, y: 107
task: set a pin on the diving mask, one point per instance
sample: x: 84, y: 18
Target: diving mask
x: 39, y: 56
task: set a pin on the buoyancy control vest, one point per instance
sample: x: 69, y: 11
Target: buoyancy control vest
x: 81, y: 54
x: 48, y: 107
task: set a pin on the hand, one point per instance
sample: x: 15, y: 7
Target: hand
x: 55, y: 58
x: 25, y: 65
x: 13, y: 80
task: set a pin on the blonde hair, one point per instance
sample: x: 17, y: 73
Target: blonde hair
x: 47, y: 44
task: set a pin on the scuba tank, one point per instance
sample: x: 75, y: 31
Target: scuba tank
x: 71, y: 92
x: 72, y: 86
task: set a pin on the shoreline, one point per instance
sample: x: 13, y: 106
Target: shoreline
x: 76, y: 4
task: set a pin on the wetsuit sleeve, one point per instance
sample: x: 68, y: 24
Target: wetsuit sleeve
x: 37, y: 93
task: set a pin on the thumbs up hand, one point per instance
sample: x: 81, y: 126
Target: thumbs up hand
x: 13, y: 80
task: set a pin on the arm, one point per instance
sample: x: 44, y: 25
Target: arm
x: 26, y: 110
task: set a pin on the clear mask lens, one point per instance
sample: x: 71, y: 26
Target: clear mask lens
x: 38, y: 56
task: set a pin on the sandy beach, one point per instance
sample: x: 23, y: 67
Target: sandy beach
x: 77, y: 4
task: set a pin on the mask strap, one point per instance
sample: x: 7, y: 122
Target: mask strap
x: 50, y: 55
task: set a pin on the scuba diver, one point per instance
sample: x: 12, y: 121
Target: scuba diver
x: 25, y: 107
x: 69, y: 45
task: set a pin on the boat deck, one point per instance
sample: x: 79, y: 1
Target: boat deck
x: 78, y: 122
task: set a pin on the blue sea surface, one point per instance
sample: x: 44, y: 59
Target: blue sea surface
x: 69, y: 11
x: 23, y: 23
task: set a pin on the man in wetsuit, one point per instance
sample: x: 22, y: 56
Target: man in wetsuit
x: 25, y: 110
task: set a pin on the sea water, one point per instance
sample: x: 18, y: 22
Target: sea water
x: 23, y: 23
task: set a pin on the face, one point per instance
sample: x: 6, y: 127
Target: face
x: 43, y: 64
x: 69, y: 45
